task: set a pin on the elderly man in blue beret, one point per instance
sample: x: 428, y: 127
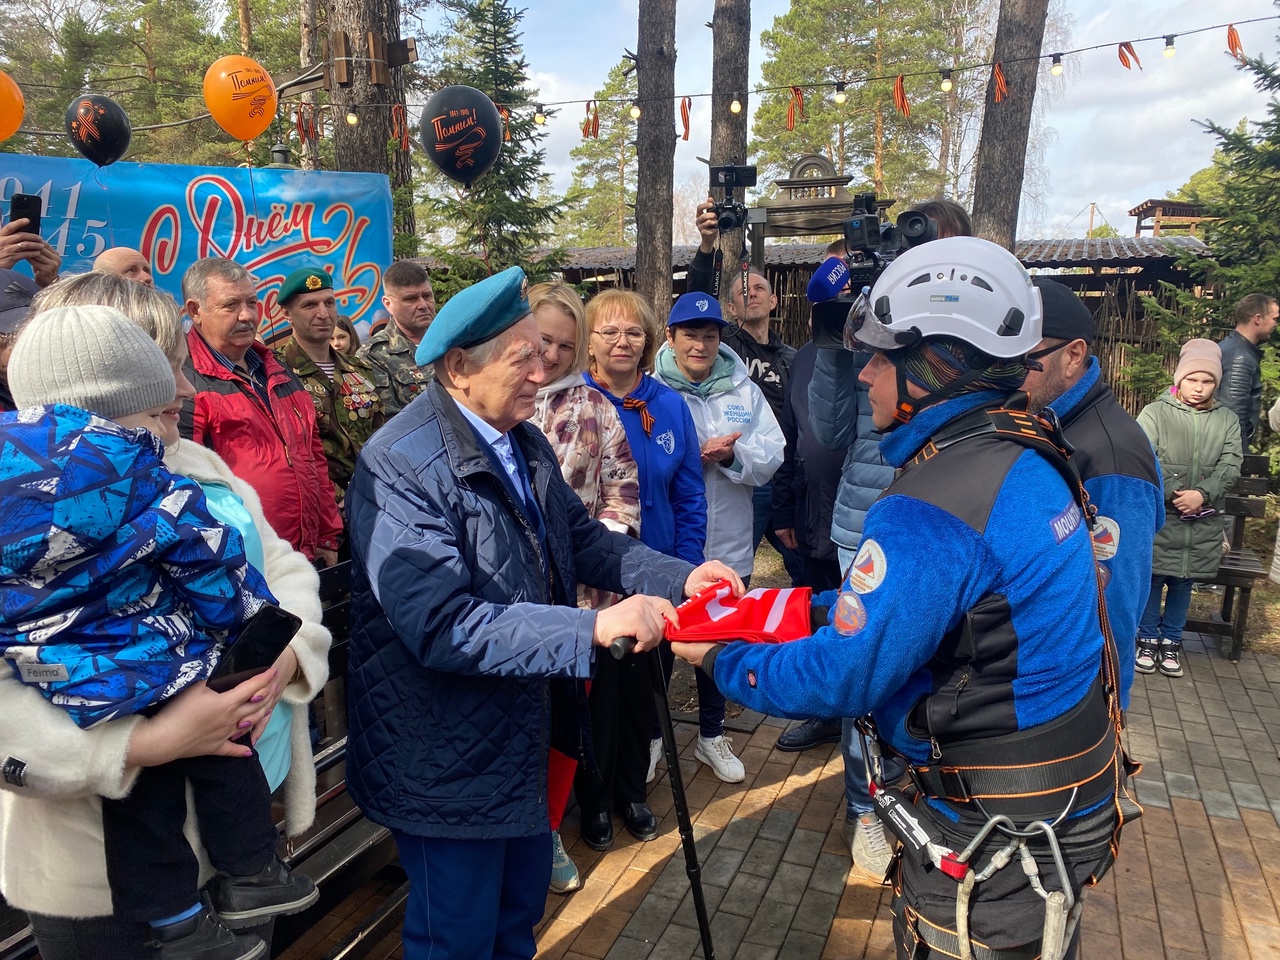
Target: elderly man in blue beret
x: 467, y: 547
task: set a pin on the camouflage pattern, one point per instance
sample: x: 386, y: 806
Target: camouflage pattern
x: 348, y: 408
x: 395, y: 372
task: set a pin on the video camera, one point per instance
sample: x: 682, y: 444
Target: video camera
x: 731, y: 214
x: 872, y: 241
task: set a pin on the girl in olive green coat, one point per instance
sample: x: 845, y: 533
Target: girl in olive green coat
x: 1197, y: 441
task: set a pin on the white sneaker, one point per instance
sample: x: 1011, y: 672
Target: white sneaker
x: 870, y: 848
x: 717, y: 755
x: 655, y: 754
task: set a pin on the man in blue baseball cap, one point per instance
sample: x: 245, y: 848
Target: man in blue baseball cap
x: 467, y: 547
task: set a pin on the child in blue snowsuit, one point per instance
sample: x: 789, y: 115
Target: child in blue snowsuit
x: 118, y: 590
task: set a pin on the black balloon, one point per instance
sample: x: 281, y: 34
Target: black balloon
x: 98, y: 128
x: 462, y: 132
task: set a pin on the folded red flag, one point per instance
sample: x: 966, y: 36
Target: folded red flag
x: 759, y: 616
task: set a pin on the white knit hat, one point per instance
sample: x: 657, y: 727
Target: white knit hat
x: 90, y: 357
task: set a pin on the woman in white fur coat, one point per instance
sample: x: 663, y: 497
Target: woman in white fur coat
x: 53, y: 773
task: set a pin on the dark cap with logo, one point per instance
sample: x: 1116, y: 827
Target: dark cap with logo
x: 303, y: 280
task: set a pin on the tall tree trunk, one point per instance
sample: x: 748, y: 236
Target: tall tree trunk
x: 731, y: 45
x: 655, y: 150
x: 1002, y: 148
x: 246, y: 27
x: 366, y: 146
x: 307, y: 58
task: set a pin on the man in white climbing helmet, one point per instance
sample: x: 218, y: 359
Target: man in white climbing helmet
x: 968, y: 626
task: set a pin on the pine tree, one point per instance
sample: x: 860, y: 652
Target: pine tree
x: 506, y: 215
x: 845, y: 41
x: 604, y: 181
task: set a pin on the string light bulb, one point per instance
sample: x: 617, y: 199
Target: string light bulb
x: 1056, y: 69
x: 841, y: 96
x: 947, y: 84
x: 735, y: 105
x: 635, y: 111
x: 352, y: 119
x: 1169, y: 48
x: 539, y: 115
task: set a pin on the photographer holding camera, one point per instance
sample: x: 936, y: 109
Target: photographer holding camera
x: 767, y: 358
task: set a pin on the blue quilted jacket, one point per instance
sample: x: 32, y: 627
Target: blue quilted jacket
x: 117, y: 586
x: 461, y: 615
x: 840, y: 415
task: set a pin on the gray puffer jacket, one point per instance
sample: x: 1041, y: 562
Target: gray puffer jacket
x: 840, y: 414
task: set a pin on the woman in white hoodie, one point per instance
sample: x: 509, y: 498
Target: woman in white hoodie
x: 52, y: 863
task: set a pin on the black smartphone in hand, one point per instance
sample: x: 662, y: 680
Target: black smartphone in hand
x: 259, y: 645
x: 26, y: 206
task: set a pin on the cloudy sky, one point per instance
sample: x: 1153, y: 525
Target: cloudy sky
x: 1122, y: 136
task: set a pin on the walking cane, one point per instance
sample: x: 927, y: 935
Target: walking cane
x: 620, y: 648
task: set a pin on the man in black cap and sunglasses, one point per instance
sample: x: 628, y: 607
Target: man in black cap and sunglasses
x: 1112, y: 454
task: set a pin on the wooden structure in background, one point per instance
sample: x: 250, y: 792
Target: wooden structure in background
x: 1167, y: 217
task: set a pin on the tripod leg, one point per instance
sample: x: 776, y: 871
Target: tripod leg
x: 681, y: 803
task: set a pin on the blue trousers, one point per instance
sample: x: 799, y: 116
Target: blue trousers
x: 473, y: 899
x: 1177, y: 601
x: 762, y: 504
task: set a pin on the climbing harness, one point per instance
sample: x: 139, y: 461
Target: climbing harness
x: 1042, y: 775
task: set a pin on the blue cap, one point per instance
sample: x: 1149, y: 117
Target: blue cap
x: 828, y: 280
x: 476, y: 314
x: 696, y: 308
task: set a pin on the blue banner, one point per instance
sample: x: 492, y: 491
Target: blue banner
x: 270, y: 220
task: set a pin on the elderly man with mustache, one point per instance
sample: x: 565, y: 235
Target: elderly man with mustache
x: 255, y: 413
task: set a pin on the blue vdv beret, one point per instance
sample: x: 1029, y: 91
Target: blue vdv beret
x: 476, y: 314
x: 303, y: 280
x: 696, y: 308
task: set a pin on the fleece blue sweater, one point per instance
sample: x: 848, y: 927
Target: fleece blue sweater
x: 919, y: 569
x: 1121, y: 474
x: 673, y: 496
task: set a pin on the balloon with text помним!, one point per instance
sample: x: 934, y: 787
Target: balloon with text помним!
x: 240, y: 95
x: 12, y: 106
x: 99, y: 128
x: 462, y: 132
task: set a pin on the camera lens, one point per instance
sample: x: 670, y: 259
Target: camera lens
x: 916, y: 228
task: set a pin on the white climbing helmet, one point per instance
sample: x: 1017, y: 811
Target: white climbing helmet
x: 961, y: 287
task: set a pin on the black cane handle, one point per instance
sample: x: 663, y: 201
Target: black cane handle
x: 622, y: 646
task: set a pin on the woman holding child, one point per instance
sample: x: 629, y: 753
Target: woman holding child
x: 61, y: 776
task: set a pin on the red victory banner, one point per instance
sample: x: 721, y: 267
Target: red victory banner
x: 758, y: 616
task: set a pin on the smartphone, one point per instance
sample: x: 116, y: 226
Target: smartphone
x: 259, y: 645
x: 28, y: 206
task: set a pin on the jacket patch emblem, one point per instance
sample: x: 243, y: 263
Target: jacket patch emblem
x: 851, y: 615
x: 1106, y: 538
x: 751, y: 679
x: 1066, y: 523
x: 15, y: 772
x: 667, y: 441
x: 43, y: 672
x: 869, y: 568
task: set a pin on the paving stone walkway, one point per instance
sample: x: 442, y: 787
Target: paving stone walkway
x: 1199, y: 874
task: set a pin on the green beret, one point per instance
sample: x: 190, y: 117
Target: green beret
x: 476, y: 314
x: 303, y: 280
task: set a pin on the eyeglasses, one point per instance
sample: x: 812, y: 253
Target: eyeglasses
x: 613, y: 334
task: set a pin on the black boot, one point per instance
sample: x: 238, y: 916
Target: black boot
x: 248, y: 901
x: 203, y: 937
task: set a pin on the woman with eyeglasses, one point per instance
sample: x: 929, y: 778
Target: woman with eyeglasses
x: 673, y: 519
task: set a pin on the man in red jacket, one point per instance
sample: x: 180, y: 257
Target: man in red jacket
x: 253, y: 412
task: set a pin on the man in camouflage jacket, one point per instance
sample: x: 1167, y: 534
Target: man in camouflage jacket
x: 408, y: 297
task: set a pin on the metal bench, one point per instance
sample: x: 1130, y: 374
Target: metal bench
x: 1241, y: 566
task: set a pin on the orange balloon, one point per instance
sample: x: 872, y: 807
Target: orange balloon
x: 12, y: 106
x: 240, y: 95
